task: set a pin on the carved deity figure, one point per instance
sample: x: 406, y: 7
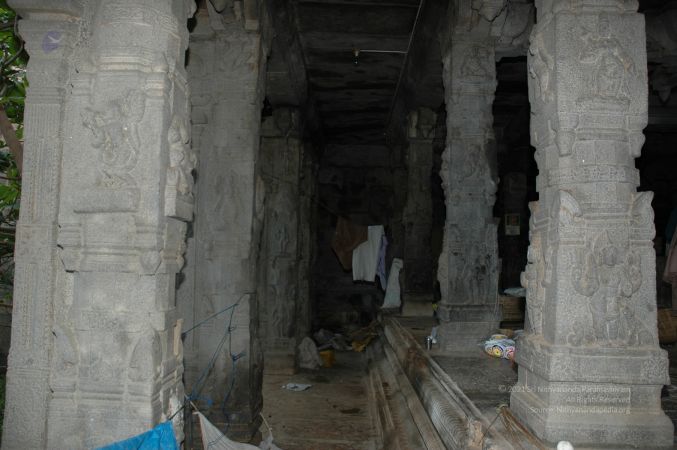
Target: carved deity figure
x: 610, y: 274
x: 115, y: 132
x: 531, y: 280
x: 475, y: 62
x: 181, y: 159
x: 613, y: 64
x: 541, y: 65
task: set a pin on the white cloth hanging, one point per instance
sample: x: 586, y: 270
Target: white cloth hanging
x: 392, y: 298
x: 365, y: 256
x: 213, y: 439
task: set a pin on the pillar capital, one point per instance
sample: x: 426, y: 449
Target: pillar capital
x: 43, y: 9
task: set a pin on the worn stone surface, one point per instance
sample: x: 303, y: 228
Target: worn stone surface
x: 36, y: 260
x: 333, y: 414
x: 95, y: 356
x: 468, y: 265
x: 226, y: 69
x: 285, y: 246
x: 418, y: 214
x: 591, y: 369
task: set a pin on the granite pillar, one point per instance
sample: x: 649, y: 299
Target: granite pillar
x: 468, y: 265
x: 226, y: 66
x: 280, y: 164
x: 590, y: 368
x: 418, y: 215
x: 96, y: 355
x: 37, y: 265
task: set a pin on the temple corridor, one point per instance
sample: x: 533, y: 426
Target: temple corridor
x: 469, y: 204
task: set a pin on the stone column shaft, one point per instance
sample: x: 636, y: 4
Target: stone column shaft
x: 281, y: 152
x: 109, y: 162
x: 468, y: 265
x: 36, y: 261
x: 307, y: 239
x: 590, y: 368
x: 418, y: 214
x: 226, y: 64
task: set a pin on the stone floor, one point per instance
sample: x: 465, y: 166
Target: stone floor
x: 332, y: 415
x: 484, y: 379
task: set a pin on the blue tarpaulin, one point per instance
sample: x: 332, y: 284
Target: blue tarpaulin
x: 159, y: 438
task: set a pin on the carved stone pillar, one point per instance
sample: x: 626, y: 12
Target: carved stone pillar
x: 468, y: 265
x: 110, y: 154
x: 38, y: 270
x: 307, y: 239
x: 418, y: 214
x: 280, y: 160
x: 225, y: 67
x: 590, y: 368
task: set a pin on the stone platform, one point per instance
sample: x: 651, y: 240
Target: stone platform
x: 461, y: 393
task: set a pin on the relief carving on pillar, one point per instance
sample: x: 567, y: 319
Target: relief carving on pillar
x: 238, y: 59
x: 533, y: 279
x: 115, y: 133
x: 472, y: 268
x: 476, y: 62
x: 642, y: 216
x: 144, y: 363
x: 489, y: 9
x: 541, y: 65
x: 608, y: 273
x: 182, y: 161
x: 609, y: 68
x: 422, y: 123
x: 66, y: 353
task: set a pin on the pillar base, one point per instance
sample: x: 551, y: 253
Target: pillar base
x: 469, y: 326
x: 590, y: 427
x: 417, y: 305
x: 593, y: 397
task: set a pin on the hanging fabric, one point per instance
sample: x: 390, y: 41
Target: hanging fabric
x: 366, y: 255
x: 213, y: 439
x: 347, y: 237
x: 159, y: 438
x: 392, y: 298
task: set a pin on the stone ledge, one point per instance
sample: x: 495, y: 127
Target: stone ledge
x: 457, y: 420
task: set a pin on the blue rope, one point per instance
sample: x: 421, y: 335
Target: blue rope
x: 185, y: 333
x: 203, y: 375
x: 197, y: 387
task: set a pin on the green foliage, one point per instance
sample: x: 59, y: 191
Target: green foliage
x: 13, y: 60
x: 13, y: 83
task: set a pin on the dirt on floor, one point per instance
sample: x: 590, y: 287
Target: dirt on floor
x: 333, y: 414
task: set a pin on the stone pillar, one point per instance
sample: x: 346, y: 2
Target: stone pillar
x: 468, y: 265
x: 307, y: 239
x: 96, y: 355
x: 590, y: 368
x: 226, y: 64
x: 279, y: 259
x: 418, y: 213
x: 37, y: 266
